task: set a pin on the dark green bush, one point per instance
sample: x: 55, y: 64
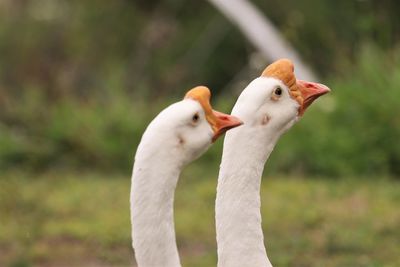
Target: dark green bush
x: 355, y: 129
x: 72, y: 133
x: 352, y: 131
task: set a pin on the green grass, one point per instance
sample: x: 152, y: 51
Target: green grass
x: 82, y: 219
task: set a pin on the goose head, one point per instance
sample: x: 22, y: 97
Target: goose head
x: 189, y: 126
x: 277, y: 99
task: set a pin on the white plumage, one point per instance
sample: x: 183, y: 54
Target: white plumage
x: 268, y: 106
x: 177, y: 136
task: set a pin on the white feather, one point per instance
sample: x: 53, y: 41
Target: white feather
x: 238, y: 219
x: 171, y: 141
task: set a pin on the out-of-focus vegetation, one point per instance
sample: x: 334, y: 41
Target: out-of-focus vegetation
x: 80, y: 80
x: 83, y: 220
x: 354, y: 131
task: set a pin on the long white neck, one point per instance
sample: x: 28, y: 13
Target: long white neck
x: 238, y: 218
x: 154, y: 179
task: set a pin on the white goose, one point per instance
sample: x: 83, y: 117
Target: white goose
x: 268, y: 106
x: 177, y: 136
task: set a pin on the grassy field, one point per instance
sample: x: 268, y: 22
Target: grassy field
x: 82, y: 219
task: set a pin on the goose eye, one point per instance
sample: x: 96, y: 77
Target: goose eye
x: 195, y: 117
x: 278, y: 91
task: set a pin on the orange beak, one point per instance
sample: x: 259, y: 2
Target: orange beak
x: 310, y: 92
x: 223, y: 122
x: 219, y: 122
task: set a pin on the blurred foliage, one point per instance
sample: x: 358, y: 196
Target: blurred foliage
x: 353, y: 131
x: 82, y: 219
x: 329, y: 34
x: 80, y: 80
x: 75, y: 48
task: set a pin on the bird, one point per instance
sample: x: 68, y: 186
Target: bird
x: 269, y: 106
x: 175, y: 137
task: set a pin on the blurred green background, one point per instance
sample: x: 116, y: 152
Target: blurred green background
x: 80, y: 80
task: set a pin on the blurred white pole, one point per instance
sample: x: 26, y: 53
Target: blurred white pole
x: 261, y: 32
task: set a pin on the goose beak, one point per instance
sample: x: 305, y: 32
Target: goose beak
x: 219, y: 122
x: 223, y: 122
x: 310, y: 91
